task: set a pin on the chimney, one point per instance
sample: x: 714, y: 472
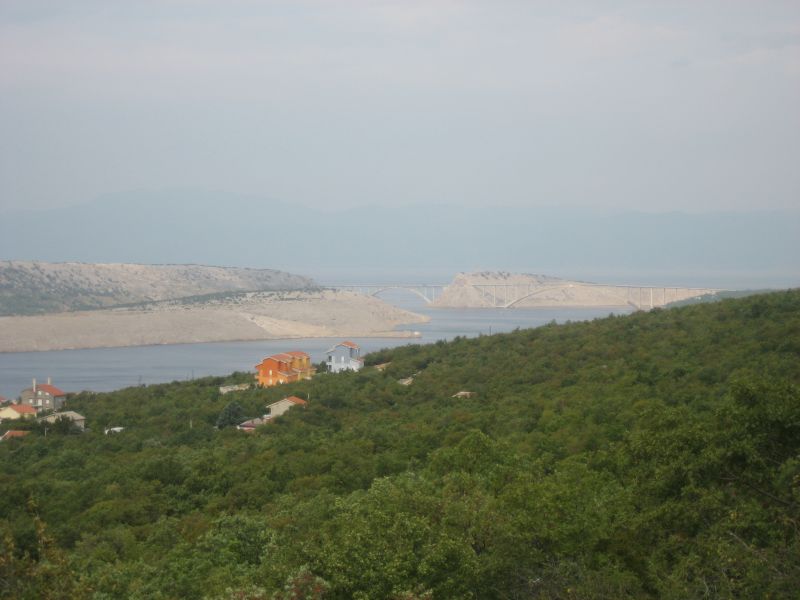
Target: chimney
x: 48, y: 380
x: 34, y: 385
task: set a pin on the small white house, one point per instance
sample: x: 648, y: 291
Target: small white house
x: 344, y: 356
x: 78, y: 420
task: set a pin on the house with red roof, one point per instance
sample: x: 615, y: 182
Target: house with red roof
x: 285, y: 367
x: 344, y: 356
x: 250, y: 425
x: 276, y: 409
x: 43, y: 396
x: 13, y: 433
x: 12, y: 412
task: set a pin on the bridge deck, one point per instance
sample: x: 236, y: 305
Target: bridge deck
x: 508, y: 295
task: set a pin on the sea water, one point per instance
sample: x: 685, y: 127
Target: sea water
x: 105, y: 369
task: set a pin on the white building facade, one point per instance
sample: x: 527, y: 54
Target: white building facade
x: 344, y: 356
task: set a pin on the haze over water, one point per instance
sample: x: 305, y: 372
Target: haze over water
x: 615, y: 142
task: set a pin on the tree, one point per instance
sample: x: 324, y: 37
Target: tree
x: 232, y: 414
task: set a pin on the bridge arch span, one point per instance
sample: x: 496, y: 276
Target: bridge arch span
x: 400, y: 287
x: 516, y: 301
x: 536, y: 293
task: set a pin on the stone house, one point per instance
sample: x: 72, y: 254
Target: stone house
x: 43, y: 396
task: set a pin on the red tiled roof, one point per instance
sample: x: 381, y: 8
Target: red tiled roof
x: 276, y: 358
x: 12, y: 433
x: 296, y: 400
x: 23, y: 409
x: 283, y: 356
x: 348, y: 345
x: 50, y: 389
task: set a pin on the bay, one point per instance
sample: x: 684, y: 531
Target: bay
x: 106, y: 369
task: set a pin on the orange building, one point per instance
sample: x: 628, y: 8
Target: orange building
x: 284, y: 368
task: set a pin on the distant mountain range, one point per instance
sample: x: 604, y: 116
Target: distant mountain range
x: 229, y: 229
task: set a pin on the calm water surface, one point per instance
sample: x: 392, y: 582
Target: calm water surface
x: 105, y: 369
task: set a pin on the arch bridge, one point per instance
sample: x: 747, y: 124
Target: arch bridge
x: 427, y: 291
x: 637, y: 297
x: 509, y: 295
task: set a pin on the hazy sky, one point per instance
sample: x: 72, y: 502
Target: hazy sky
x: 655, y: 105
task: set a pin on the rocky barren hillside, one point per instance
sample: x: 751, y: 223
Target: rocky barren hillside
x: 246, y: 316
x: 40, y: 287
x: 499, y: 289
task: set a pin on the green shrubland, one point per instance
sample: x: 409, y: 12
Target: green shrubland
x: 655, y: 455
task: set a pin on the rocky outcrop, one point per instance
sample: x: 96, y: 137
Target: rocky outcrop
x: 517, y: 290
x: 40, y: 287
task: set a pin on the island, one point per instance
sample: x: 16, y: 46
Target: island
x: 136, y: 305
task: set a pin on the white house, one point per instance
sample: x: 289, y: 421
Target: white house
x: 78, y: 420
x: 344, y: 356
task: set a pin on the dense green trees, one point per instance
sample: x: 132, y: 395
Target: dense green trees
x: 655, y: 455
x: 232, y: 414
